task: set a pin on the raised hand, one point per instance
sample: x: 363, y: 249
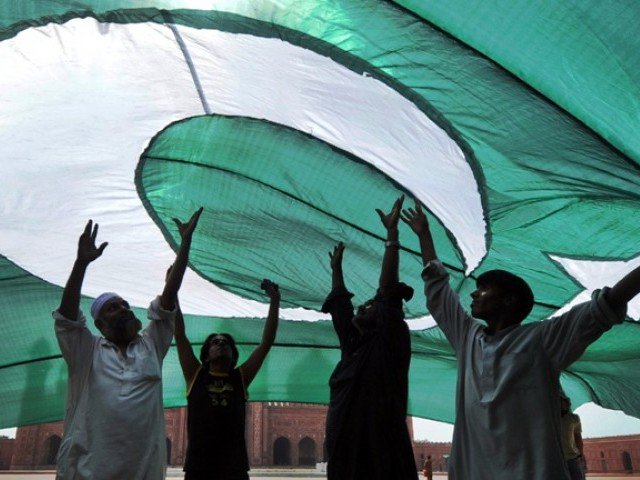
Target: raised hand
x: 176, y: 273
x: 271, y: 289
x: 186, y: 229
x: 390, y: 220
x: 250, y: 368
x: 87, y: 251
x: 416, y: 219
x: 336, y: 256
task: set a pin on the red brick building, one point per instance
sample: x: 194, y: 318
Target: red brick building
x: 619, y: 454
x: 439, y: 452
x: 277, y: 434
x: 281, y: 434
x: 36, y: 447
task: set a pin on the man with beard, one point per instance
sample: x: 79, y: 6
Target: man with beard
x: 366, y: 429
x: 114, y: 422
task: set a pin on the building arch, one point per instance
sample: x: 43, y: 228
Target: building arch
x: 282, y: 451
x: 307, y: 452
x: 627, y: 464
x: 51, y: 447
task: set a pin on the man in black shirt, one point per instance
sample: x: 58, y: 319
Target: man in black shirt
x: 366, y: 430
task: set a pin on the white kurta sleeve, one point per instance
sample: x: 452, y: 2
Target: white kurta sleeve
x: 75, y: 340
x: 565, y: 338
x: 161, y: 327
x: 444, y: 304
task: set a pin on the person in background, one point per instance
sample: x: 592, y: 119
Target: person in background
x: 427, y: 468
x: 572, y: 445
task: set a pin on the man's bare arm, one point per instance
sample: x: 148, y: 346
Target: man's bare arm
x: 174, y: 279
x: 390, y: 260
x: 188, y: 360
x: 417, y: 220
x: 337, y: 277
x: 251, y: 367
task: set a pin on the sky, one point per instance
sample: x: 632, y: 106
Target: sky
x: 596, y: 422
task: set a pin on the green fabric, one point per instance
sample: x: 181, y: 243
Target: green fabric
x: 242, y: 171
x: 542, y: 98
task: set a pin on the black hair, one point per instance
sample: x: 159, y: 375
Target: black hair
x: 204, y: 351
x: 398, y: 292
x: 510, y: 284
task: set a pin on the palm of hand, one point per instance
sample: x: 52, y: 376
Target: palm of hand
x: 390, y: 220
x: 87, y: 250
x: 186, y: 229
x: 336, y: 256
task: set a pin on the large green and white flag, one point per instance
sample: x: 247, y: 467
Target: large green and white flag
x: 517, y: 125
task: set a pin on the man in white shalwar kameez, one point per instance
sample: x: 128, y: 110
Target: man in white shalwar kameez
x: 507, y: 401
x: 114, y: 420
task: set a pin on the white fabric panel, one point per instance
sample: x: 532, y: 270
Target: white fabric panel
x: 64, y: 162
x: 593, y: 274
x: 274, y: 80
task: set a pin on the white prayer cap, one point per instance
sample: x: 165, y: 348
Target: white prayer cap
x: 99, y: 302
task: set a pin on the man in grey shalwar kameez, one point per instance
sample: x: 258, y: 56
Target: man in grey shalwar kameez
x: 507, y: 409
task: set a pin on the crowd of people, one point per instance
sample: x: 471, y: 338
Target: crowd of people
x: 513, y: 420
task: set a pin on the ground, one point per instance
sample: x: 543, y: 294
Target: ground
x: 270, y: 474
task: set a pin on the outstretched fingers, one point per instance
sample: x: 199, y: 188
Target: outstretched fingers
x: 397, y: 206
x: 390, y: 220
x: 335, y: 257
x: 94, y: 234
x: 188, y: 227
x: 88, y: 227
x: 102, y: 247
x: 408, y: 214
x: 179, y: 224
x: 87, y: 250
x: 193, y: 221
x: 415, y: 218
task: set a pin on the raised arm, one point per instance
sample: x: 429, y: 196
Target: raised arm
x: 87, y: 253
x: 417, y: 220
x: 188, y: 360
x: 623, y: 291
x: 442, y: 301
x: 338, y: 302
x: 174, y: 279
x: 389, y: 272
x: 250, y: 368
x: 337, y: 277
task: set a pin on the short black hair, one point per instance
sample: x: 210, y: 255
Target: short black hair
x: 204, y: 351
x: 510, y: 284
